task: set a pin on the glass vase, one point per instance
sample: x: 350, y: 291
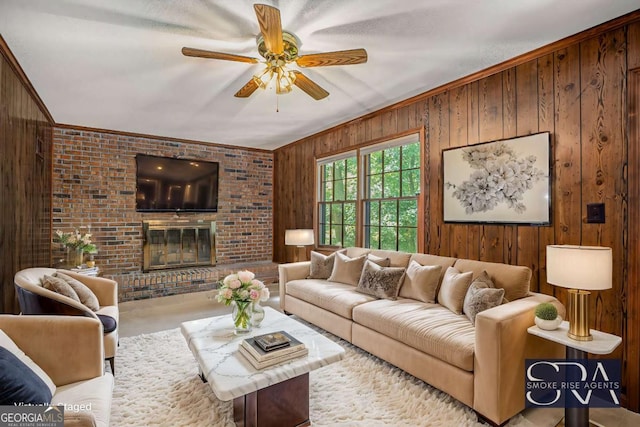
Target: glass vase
x: 241, y: 316
x: 74, y: 258
x: 257, y: 314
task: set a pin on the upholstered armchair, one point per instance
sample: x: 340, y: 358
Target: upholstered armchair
x: 69, y: 350
x: 35, y: 299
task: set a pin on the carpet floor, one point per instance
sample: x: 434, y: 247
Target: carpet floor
x: 157, y: 385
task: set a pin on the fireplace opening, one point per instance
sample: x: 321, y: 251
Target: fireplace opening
x: 177, y: 244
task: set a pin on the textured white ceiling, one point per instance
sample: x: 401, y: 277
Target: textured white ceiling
x: 116, y: 64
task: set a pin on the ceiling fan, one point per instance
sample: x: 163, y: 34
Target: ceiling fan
x: 280, y: 48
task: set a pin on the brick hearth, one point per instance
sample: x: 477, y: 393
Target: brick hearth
x: 138, y: 285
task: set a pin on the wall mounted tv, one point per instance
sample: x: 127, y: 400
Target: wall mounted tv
x: 165, y: 184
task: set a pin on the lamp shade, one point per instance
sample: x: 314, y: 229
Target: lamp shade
x: 579, y: 267
x: 298, y: 237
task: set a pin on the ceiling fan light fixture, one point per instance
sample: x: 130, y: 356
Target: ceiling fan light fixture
x: 284, y: 81
x: 284, y: 78
x: 280, y: 48
x: 262, y: 79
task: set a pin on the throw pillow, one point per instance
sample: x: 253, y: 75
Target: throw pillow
x: 421, y: 282
x: 454, y: 288
x: 109, y: 324
x: 483, y: 281
x: 479, y: 299
x: 19, y: 384
x: 8, y: 343
x: 59, y: 286
x: 380, y: 282
x: 347, y: 270
x: 87, y: 297
x: 321, y: 265
x: 382, y: 262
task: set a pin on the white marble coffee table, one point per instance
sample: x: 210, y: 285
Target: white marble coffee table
x: 277, y: 395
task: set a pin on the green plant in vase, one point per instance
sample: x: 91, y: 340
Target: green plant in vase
x: 76, y: 245
x: 547, y: 316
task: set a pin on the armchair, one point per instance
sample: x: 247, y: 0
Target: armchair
x: 35, y: 299
x: 69, y: 349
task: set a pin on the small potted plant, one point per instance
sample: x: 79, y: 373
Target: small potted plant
x: 547, y: 316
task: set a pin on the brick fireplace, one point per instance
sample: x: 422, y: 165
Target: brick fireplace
x: 94, y: 185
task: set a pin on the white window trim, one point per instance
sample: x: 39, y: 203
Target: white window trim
x: 403, y: 140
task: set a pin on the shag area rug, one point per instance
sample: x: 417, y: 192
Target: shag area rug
x: 157, y: 385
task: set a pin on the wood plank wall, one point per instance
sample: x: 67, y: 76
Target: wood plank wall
x: 25, y: 179
x: 576, y: 90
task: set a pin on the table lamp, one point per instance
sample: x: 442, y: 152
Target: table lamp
x: 580, y: 269
x: 299, y: 238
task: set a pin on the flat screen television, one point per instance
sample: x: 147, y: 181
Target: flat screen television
x: 165, y: 184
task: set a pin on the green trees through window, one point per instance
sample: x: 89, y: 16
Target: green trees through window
x: 390, y: 203
x: 337, y: 206
x: 389, y: 200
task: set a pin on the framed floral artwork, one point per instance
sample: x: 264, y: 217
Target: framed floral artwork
x: 506, y: 181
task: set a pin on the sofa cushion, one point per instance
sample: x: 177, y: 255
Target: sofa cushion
x: 347, y: 270
x: 380, y: 282
x: 87, y: 297
x: 59, y: 286
x: 18, y: 383
x: 109, y: 310
x: 453, y: 289
x: 429, y: 328
x: 94, y: 393
x: 337, y: 298
x: 421, y: 282
x: 513, y: 279
x: 396, y: 258
x: 321, y: 265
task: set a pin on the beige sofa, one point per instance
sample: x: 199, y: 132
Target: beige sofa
x: 69, y: 349
x: 481, y: 365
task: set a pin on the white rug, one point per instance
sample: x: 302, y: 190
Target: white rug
x: 157, y: 385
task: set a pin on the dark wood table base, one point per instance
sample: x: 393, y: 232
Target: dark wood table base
x: 285, y: 404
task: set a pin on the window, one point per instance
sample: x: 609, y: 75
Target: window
x: 389, y: 174
x: 390, y: 202
x: 338, y: 195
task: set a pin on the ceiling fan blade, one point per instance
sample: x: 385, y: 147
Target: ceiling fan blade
x: 247, y: 89
x: 199, y: 53
x: 309, y: 86
x: 342, y: 57
x: 271, y: 27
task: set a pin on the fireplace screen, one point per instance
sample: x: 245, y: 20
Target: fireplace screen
x: 178, y: 244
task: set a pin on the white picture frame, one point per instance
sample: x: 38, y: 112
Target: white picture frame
x: 502, y: 182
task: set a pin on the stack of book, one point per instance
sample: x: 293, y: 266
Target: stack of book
x: 88, y: 271
x: 270, y: 349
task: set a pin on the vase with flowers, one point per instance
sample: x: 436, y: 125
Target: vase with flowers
x: 76, y: 245
x: 242, y: 290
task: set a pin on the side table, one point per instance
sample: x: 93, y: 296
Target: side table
x: 602, y: 343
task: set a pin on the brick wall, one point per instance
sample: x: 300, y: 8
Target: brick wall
x: 94, y: 185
